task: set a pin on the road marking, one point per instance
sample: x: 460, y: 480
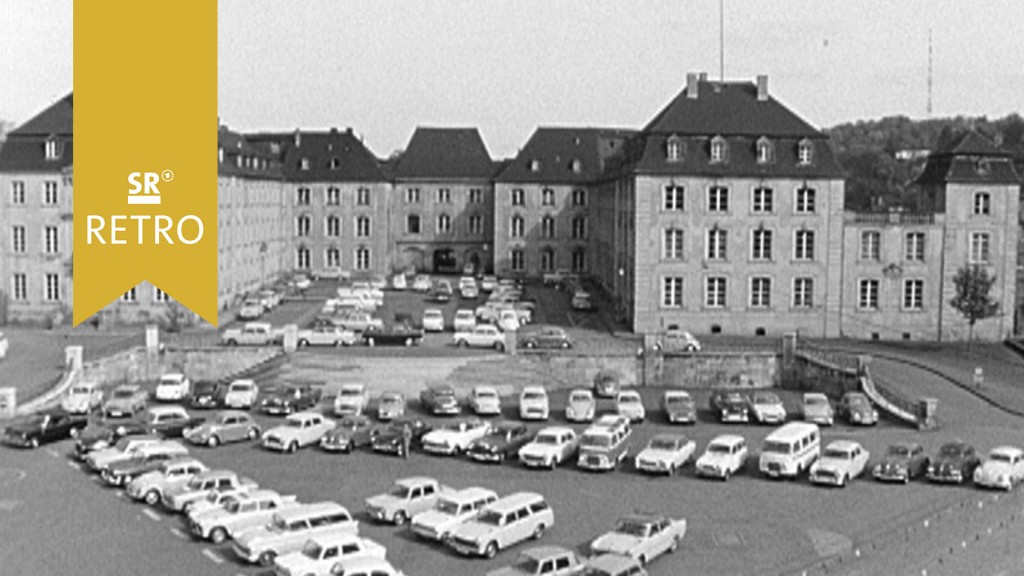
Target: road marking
x: 74, y: 465
x: 213, y: 556
x: 52, y: 452
x: 152, y: 515
x: 177, y: 532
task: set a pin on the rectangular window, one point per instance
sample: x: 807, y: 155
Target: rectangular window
x: 803, y: 292
x: 363, y: 197
x: 915, y: 247
x: 517, y: 260
x: 714, y: 292
x: 579, y: 197
x: 412, y: 196
x: 913, y: 294
x: 302, y: 226
x: 17, y: 192
x: 160, y: 296
x: 518, y: 197
x: 674, y: 199
x: 52, y: 287
x: 51, y: 243
x: 805, y: 200
x: 517, y: 226
x: 718, y: 199
x: 672, y: 248
x: 761, y: 245
x: 333, y: 197
x: 363, y: 259
x: 867, y: 295
x: 763, y: 201
x: 547, y: 197
x: 363, y: 227
x: 547, y: 227
x: 302, y: 197
x: 803, y: 245
x: 672, y: 292
x: 20, y: 287
x: 980, y: 244
x: 547, y: 260
x: 476, y: 224
x: 579, y: 228
x: 444, y: 196
x: 982, y: 204
x: 444, y: 224
x: 579, y: 260
x: 870, y: 245
x: 51, y: 150
x: 332, y: 227
x: 302, y: 258
x: 476, y: 196
x: 760, y: 292
x: 18, y: 239
x: 412, y: 224
x: 50, y: 192
x: 130, y: 295
x: 332, y: 258
x: 716, y: 244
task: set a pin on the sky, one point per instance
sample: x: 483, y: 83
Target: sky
x: 384, y: 67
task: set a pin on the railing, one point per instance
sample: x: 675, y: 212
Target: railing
x: 886, y: 397
x: 892, y: 218
x: 842, y: 360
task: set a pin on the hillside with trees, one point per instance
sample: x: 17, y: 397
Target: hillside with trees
x: 882, y: 157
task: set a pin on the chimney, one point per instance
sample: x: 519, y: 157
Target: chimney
x: 298, y: 137
x: 703, y: 77
x: 691, y: 86
x: 762, y: 88
x: 348, y: 130
x: 334, y: 129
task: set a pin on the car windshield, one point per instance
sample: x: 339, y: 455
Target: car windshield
x: 166, y: 380
x: 837, y: 454
x: 442, y: 392
x: 390, y: 400
x: 546, y: 439
x: 489, y: 517
x: 857, y: 401
x: 80, y: 390
x: 486, y: 394
x: 1000, y: 457
x: 527, y: 565
x: 663, y: 444
x: 766, y: 399
x: 815, y: 400
x: 294, y: 423
x: 596, y: 441
x: 776, y: 447
x: 447, y: 507
x: 351, y: 392
x: 122, y: 443
x: 899, y: 451
x: 716, y: 448
x: 349, y: 424
x: 123, y: 393
x: 678, y: 400
x: 399, y: 491
x: 534, y: 395
x: 632, y: 527
x: 950, y: 450
x: 629, y: 399
x: 35, y: 419
x: 312, y: 549
x: 579, y: 397
x: 432, y: 315
x: 240, y: 388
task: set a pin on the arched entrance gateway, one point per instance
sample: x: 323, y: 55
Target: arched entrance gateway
x: 412, y: 258
x: 472, y: 259
x: 445, y: 261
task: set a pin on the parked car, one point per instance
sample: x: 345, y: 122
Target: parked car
x: 291, y: 398
x: 469, y: 291
x: 534, y: 404
x: 393, y: 335
x: 248, y: 511
x: 730, y: 406
x: 44, y: 427
x: 455, y: 437
x: 421, y: 283
x: 99, y: 459
x: 580, y: 405
x: 252, y: 334
x: 82, y: 398
x: 289, y: 530
x: 326, y: 335
x: 488, y: 283
x: 675, y: 340
x: 406, y: 498
x: 902, y: 462
x: 390, y: 405
x: 150, y: 486
x: 322, y: 553
x: 608, y: 383
x: 955, y: 463
x: 126, y: 400
x: 389, y: 440
x: 642, y: 537
x: 724, y: 456
x: 269, y: 298
x: 451, y: 510
x: 357, y: 321
x: 201, y: 485
x: 582, y: 302
x: 504, y: 523
x: 544, y: 337
x: 225, y: 427
x: 399, y: 282
x: 465, y: 320
x: 502, y: 442
x: 840, y: 462
x: 1004, y: 468
x: 482, y: 336
x: 352, y: 400
x: 173, y: 388
x: 214, y: 500
x: 543, y: 561
x: 612, y: 565
x: 241, y: 394
x: 440, y: 399
x: 817, y: 408
x: 485, y: 401
x: 251, y: 309
x: 557, y: 278
x: 351, y: 432
x: 679, y: 407
x: 143, y: 460
x: 856, y: 408
x: 433, y: 320
x: 605, y: 444
x: 170, y: 421
x: 97, y: 436
x: 205, y: 394
x: 549, y: 448
x: 629, y: 404
x: 299, y: 430
x: 665, y: 454
x: 767, y: 408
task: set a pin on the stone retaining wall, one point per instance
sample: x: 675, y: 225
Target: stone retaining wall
x: 137, y: 366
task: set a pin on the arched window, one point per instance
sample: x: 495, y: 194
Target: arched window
x: 765, y: 151
x: 805, y: 152
x: 674, y: 149
x: 719, y: 150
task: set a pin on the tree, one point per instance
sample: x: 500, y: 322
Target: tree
x: 972, y: 299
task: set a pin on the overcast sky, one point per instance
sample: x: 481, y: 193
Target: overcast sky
x: 383, y: 67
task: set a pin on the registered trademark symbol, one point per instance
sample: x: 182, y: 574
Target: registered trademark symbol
x: 167, y: 175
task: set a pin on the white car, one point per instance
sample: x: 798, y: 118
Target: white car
x: 289, y: 529
x: 533, y: 403
x: 482, y: 336
x: 1004, y: 468
x: 406, y: 498
x: 465, y: 320
x: 767, y: 408
x: 642, y: 537
x: 817, y: 408
x: 242, y: 513
x: 629, y: 404
x: 352, y: 400
x: 83, y: 398
x: 173, y: 388
x: 215, y: 500
x: 433, y: 320
x: 665, y: 454
x: 127, y: 447
x: 399, y: 282
x: 549, y: 448
x: 421, y: 283
x: 725, y: 455
x: 301, y: 429
x: 840, y: 462
x: 509, y: 319
x: 200, y: 486
x: 580, y: 406
x: 241, y: 394
x: 504, y: 523
x: 453, y: 438
x: 450, y: 511
x: 151, y: 486
x: 485, y: 401
x: 390, y: 405
x: 365, y: 567
x: 321, y: 553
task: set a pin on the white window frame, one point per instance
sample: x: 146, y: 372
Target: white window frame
x: 476, y: 195
x: 717, y: 244
x: 803, y: 292
x: 332, y: 257
x: 51, y: 240
x: 805, y: 153
x: 547, y: 226
x: 547, y: 197
x: 332, y: 196
x: 52, y: 288
x: 871, y: 245
x: 980, y: 248
x: 444, y: 224
x: 364, y: 227
x: 50, y: 189
x: 159, y: 296
x: 412, y: 195
x: 18, y: 245
x: 982, y: 204
x: 302, y: 257
x: 868, y: 293
x: 762, y: 200
x: 671, y: 291
x: 18, y: 192
x: 332, y: 227
x: 761, y: 240
x: 444, y: 196
x: 761, y: 292
x: 803, y: 245
x: 476, y: 224
x: 302, y: 196
x: 131, y: 295
x: 579, y: 197
x: 19, y: 286
x: 518, y: 197
x: 673, y: 244
x: 673, y: 198
x: 517, y: 259
x: 363, y: 258
x: 806, y: 200
x: 716, y: 291
x: 913, y: 294
x: 718, y: 199
x: 363, y: 196
x: 914, y: 248
x: 517, y: 227
x: 579, y: 260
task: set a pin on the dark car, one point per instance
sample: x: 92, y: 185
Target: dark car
x: 955, y: 463
x: 170, y: 421
x: 856, y: 408
x: 206, y: 394
x: 504, y: 441
x: 440, y: 399
x: 901, y: 463
x: 100, y: 436
x: 544, y: 337
x: 389, y: 439
x: 608, y: 382
x: 291, y: 398
x: 392, y: 335
x: 350, y: 433
x: 122, y: 472
x: 730, y: 406
x: 44, y: 427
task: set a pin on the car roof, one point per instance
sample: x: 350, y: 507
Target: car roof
x: 629, y: 392
x: 543, y: 552
x: 513, y: 501
x: 177, y: 375
x: 304, y: 414
x: 645, y: 518
x: 244, y: 381
x: 677, y: 394
x: 815, y: 395
x: 353, y: 386
x: 845, y: 445
x: 730, y: 439
x: 671, y: 437
x: 612, y: 563
x: 132, y: 387
x: 216, y: 474
x: 555, y: 430
x: 1011, y: 450
x: 471, y: 493
x: 367, y: 563
x: 392, y: 394
x: 167, y: 409
x: 485, y: 388
x: 534, y: 389
x: 306, y: 509
x: 415, y: 481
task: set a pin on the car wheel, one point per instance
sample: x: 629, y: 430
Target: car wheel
x: 499, y: 346
x: 267, y: 558
x: 491, y: 550
x: 293, y: 447
x: 371, y: 342
x: 725, y: 476
x: 302, y: 343
x: 254, y: 433
x: 844, y: 480
x: 400, y: 518
x: 538, y: 532
x: 213, y: 442
x: 232, y: 342
x: 152, y: 497
x: 218, y: 535
x: 642, y: 559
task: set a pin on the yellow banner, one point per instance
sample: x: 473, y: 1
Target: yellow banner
x: 145, y: 172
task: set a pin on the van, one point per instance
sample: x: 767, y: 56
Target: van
x: 604, y: 444
x: 289, y: 530
x: 790, y: 450
x: 508, y: 521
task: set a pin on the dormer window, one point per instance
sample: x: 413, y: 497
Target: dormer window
x: 335, y: 163
x: 52, y: 149
x: 981, y: 167
x: 674, y: 149
x: 220, y: 154
x: 534, y: 165
x: 719, y: 150
x: 577, y: 166
x: 304, y: 164
x: 805, y: 152
x: 765, y: 151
